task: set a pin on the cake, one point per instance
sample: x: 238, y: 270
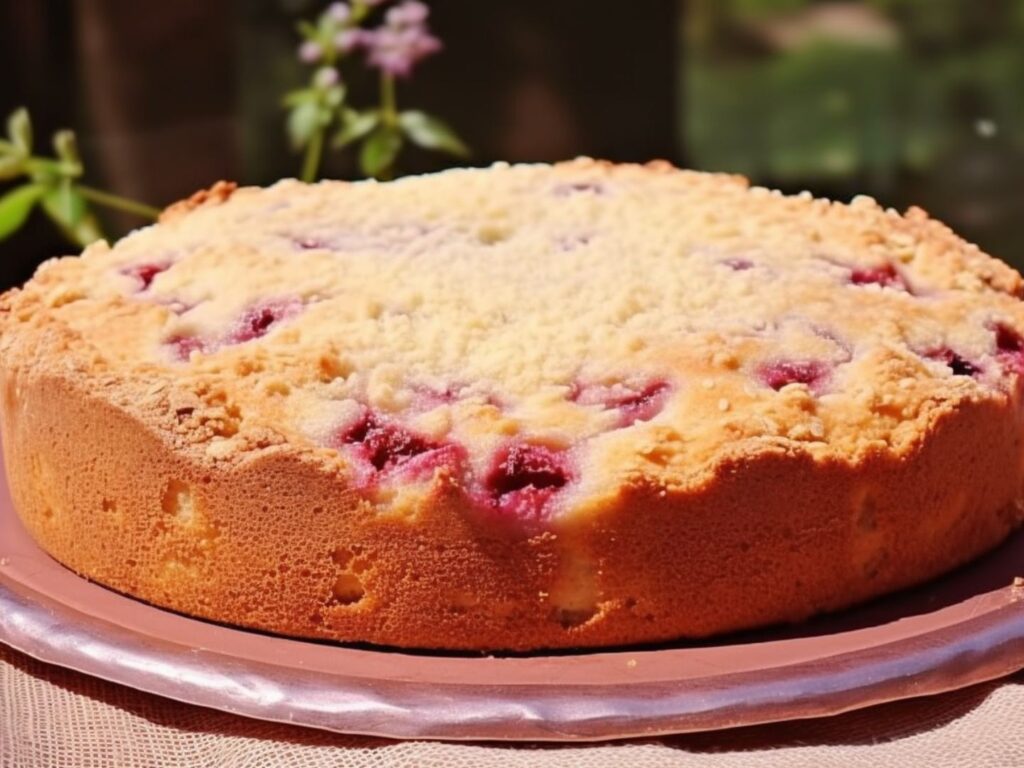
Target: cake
x: 516, y: 408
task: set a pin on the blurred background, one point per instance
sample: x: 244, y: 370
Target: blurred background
x: 911, y: 101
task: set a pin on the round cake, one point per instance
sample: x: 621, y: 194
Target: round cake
x: 516, y: 408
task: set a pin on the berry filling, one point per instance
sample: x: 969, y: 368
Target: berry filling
x: 594, y: 187
x: 387, y: 446
x: 523, y: 479
x: 182, y: 347
x: 145, y: 273
x: 254, y: 323
x: 258, y: 320
x: 959, y: 365
x: 309, y: 243
x: 738, y: 265
x: 779, y: 373
x: 1010, y: 347
x: 572, y: 242
x: 428, y: 397
x: 633, y: 405
x: 885, y: 276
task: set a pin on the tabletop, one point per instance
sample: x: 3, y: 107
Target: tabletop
x: 53, y: 716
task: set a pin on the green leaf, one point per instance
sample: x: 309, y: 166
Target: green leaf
x: 44, y: 170
x: 431, y: 133
x: 16, y: 205
x: 66, y: 147
x: 69, y: 210
x: 65, y: 205
x: 19, y: 130
x: 306, y: 29
x: 354, y: 125
x: 85, y: 231
x: 303, y: 122
x: 380, y: 150
x: 11, y: 166
x: 298, y: 96
x: 335, y: 96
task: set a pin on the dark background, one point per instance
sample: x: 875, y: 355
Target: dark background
x: 912, y: 101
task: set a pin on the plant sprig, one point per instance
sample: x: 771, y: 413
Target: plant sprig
x: 394, y: 48
x: 53, y: 185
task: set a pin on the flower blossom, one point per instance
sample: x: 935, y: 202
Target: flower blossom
x: 402, y: 41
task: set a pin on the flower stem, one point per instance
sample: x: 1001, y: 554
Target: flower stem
x: 388, y: 116
x: 117, y: 202
x: 311, y: 161
x: 389, y: 111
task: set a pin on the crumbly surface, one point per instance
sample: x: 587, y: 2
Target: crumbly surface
x: 523, y: 362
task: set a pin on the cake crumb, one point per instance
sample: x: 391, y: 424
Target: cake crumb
x: 723, y: 405
x: 631, y: 663
x: 1018, y: 581
x: 4, y: 561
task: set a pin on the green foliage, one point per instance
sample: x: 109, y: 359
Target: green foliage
x: 16, y: 205
x: 432, y: 133
x: 51, y: 184
x: 836, y: 108
x: 354, y: 125
x: 380, y: 150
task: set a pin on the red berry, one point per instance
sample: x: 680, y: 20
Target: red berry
x: 145, y: 273
x: 738, y: 265
x: 779, y: 373
x: 633, y: 404
x: 523, y: 478
x: 388, y: 446
x: 183, y: 346
x: 593, y: 187
x: 1010, y: 347
x: 959, y: 365
x: 885, y: 276
x: 258, y: 320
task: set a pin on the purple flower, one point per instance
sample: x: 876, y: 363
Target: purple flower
x: 310, y: 52
x: 325, y: 77
x: 339, y: 12
x: 349, y: 39
x: 410, y: 12
x: 403, y: 39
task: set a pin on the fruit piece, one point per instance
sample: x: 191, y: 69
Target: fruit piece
x: 738, y: 264
x: 389, y: 447
x: 145, y: 273
x: 778, y: 373
x: 959, y: 365
x: 523, y: 479
x: 633, y: 404
x: 258, y: 320
x: 575, y: 187
x: 182, y: 347
x: 885, y: 276
x: 1010, y: 347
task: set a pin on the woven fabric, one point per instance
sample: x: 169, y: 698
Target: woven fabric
x: 53, y: 717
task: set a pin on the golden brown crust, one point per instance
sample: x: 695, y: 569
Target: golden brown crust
x: 215, y: 195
